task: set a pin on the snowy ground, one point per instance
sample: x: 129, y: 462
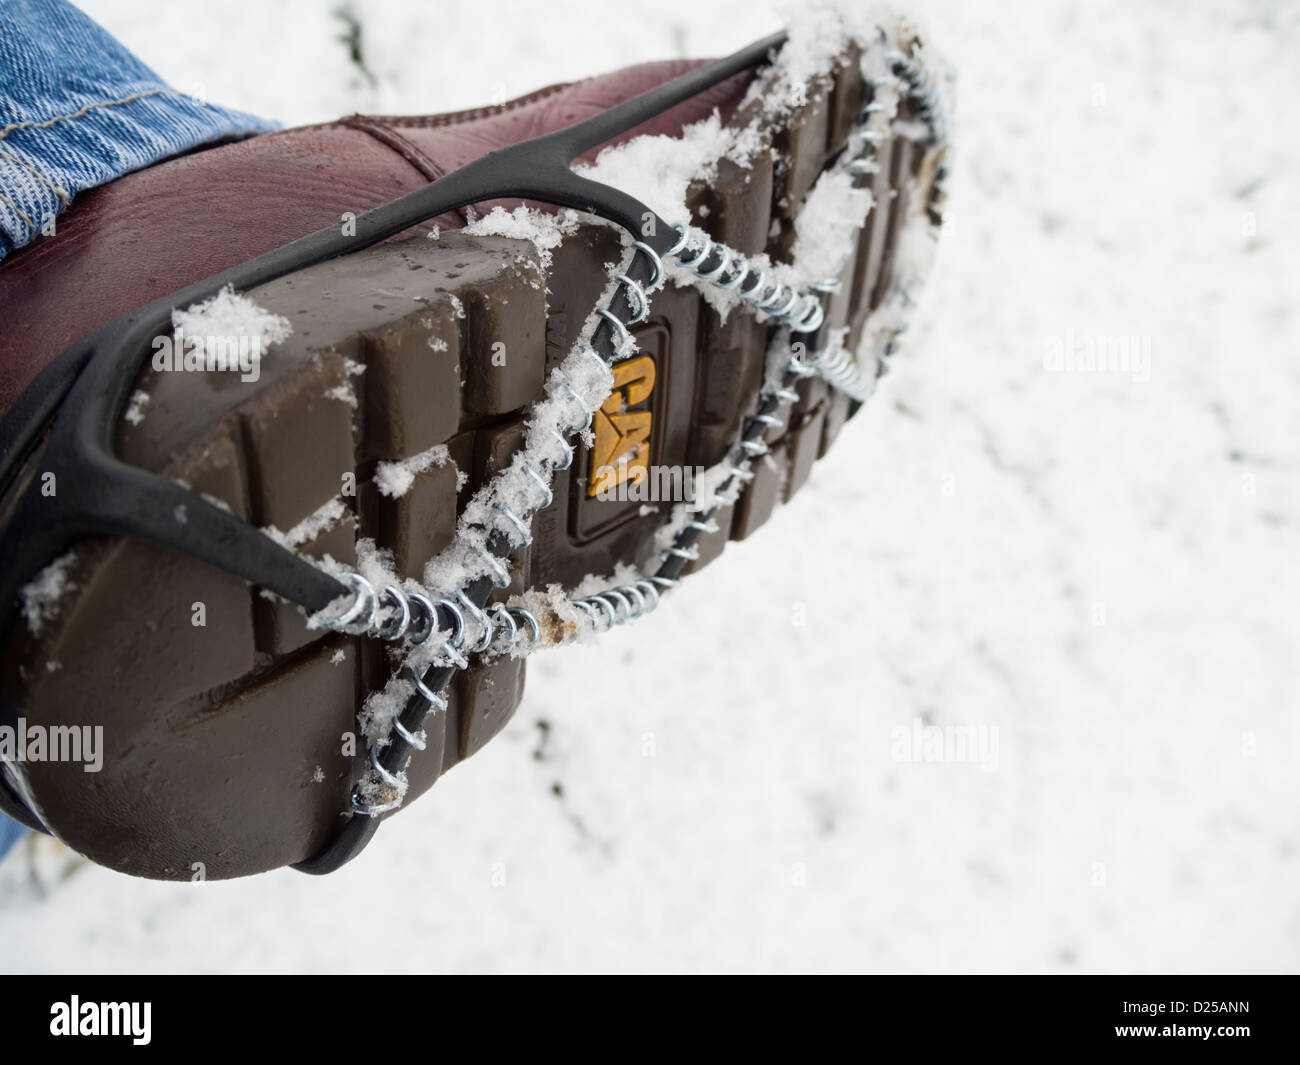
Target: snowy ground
x: 1102, y: 567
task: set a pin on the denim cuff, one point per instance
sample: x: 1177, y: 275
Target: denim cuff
x: 77, y: 110
x: 45, y: 162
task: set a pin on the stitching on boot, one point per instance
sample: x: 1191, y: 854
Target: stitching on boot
x: 453, y: 118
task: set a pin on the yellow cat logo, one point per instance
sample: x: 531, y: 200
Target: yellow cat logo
x: 621, y: 452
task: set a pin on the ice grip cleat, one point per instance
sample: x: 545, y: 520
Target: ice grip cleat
x: 487, y: 409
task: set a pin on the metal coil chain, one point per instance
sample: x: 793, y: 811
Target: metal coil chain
x: 805, y: 312
x: 840, y: 370
x: 926, y: 96
x: 499, y: 629
x: 398, y: 615
x: 802, y: 312
x: 711, y: 262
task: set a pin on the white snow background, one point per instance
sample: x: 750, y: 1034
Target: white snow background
x: 1103, y: 570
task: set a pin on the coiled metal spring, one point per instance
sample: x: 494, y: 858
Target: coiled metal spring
x: 638, y: 298
x: 500, y: 627
x: 922, y: 90
x: 924, y: 93
x: 618, y: 606
x: 802, y: 312
x: 396, y: 614
x: 842, y: 371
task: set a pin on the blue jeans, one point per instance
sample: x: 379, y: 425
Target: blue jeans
x: 78, y: 110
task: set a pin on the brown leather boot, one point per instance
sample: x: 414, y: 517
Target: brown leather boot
x: 267, y: 588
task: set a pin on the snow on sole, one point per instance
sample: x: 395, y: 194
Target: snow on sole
x: 223, y: 716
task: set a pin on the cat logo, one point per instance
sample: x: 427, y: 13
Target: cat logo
x: 621, y: 452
